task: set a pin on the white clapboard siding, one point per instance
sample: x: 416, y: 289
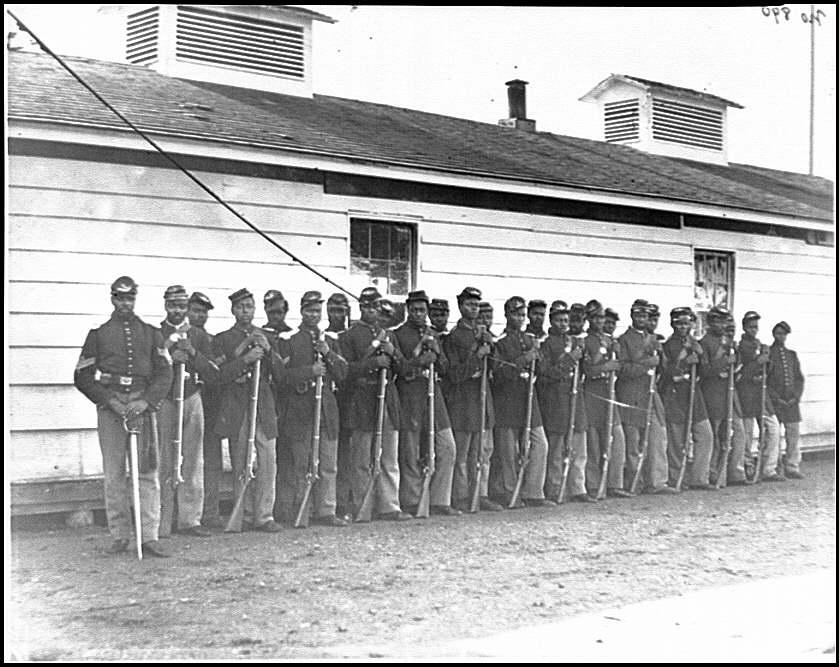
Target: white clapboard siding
x: 49, y: 366
x: 732, y: 241
x: 220, y: 276
x: 169, y: 183
x: 787, y: 286
x: 73, y: 234
x: 786, y: 262
x: 49, y: 407
x: 541, y: 263
x: 58, y: 204
x: 818, y: 416
x: 558, y: 241
x: 54, y: 454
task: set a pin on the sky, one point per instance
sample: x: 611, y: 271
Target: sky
x: 455, y: 60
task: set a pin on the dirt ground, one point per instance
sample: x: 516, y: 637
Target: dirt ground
x: 296, y: 593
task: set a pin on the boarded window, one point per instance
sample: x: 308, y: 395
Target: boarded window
x: 383, y: 254
x: 713, y: 283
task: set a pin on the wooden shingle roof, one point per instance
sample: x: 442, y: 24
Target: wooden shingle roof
x: 38, y: 89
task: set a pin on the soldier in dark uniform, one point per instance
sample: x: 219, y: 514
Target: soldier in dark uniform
x: 600, y: 357
x: 465, y: 347
x: 752, y: 356
x: 639, y: 357
x: 485, y: 315
x: 536, y: 311
x: 719, y: 352
x: 576, y: 319
x: 679, y: 353
x: 785, y: 385
x: 561, y: 352
x: 514, y: 352
x: 610, y: 322
x: 652, y: 322
x: 420, y: 346
x: 197, y: 314
x: 276, y: 309
x: 338, y: 312
x: 438, y: 315
x: 125, y: 370
x: 235, y: 352
x: 367, y: 347
x: 311, y: 355
x: 190, y: 346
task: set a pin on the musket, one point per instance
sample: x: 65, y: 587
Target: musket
x: 645, y: 442
x: 134, y: 458
x: 722, y: 465
x: 365, y: 511
x: 177, y: 442
x: 524, y: 452
x: 476, y: 492
x: 610, y: 437
x: 234, y: 523
x: 424, y: 504
x: 302, y: 519
x: 687, y: 451
x: 761, y: 434
x: 569, y: 439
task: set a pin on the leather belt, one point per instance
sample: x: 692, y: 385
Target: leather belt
x: 121, y: 382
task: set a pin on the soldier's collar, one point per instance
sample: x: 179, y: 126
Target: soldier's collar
x: 183, y: 326
x: 463, y: 322
x: 119, y: 318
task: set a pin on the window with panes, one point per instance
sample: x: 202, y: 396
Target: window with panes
x: 713, y: 283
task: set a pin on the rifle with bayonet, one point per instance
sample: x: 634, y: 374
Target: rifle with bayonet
x: 234, y: 523
x: 524, y: 449
x: 304, y: 512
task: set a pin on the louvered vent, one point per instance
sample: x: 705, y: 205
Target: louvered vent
x: 143, y: 27
x: 244, y: 43
x: 687, y: 124
x: 621, y: 120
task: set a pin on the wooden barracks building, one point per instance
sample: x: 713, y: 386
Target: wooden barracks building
x: 367, y: 193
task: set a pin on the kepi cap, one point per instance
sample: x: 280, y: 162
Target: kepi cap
x: 536, y: 303
x: 718, y: 313
x: 123, y: 285
x: 653, y: 310
x: 439, y: 304
x: 750, y: 315
x: 783, y: 326
x: 385, y: 306
x: 311, y: 298
x: 273, y: 297
x: 681, y: 313
x: 611, y: 315
x: 559, y: 306
x: 175, y: 293
x: 368, y: 296
x: 484, y: 307
x: 201, y: 299
x: 594, y: 309
x: 469, y: 293
x: 514, y: 303
x: 417, y: 295
x: 338, y: 299
x: 640, y: 306
x: 239, y: 295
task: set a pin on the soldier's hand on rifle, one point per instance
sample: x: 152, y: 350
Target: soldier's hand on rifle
x: 612, y: 365
x: 318, y: 369
x: 692, y: 358
x: 117, y: 406
x: 426, y: 358
x: 651, y: 361
x: 576, y: 353
x: 180, y: 356
x: 381, y: 361
x: 136, y: 408
x: 253, y: 354
x: 482, y: 351
x: 732, y: 357
x: 259, y: 338
x: 433, y: 345
x: 387, y: 348
x: 185, y: 345
x: 321, y: 347
x: 763, y: 358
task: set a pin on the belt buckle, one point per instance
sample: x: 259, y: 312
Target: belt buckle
x: 125, y: 380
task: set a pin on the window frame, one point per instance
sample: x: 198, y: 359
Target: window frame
x: 701, y: 315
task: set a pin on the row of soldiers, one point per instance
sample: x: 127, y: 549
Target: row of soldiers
x: 344, y: 417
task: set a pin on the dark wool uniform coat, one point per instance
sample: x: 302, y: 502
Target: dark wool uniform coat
x: 633, y: 385
x: 599, y: 348
x: 462, y: 386
x: 413, y: 386
x: 509, y: 388
x: 362, y: 385
x: 748, y: 386
x: 785, y: 383
x: 201, y: 368
x: 126, y: 348
x: 674, y: 385
x: 235, y: 384
x: 554, y: 381
x: 209, y: 392
x: 297, y: 385
x: 714, y: 372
